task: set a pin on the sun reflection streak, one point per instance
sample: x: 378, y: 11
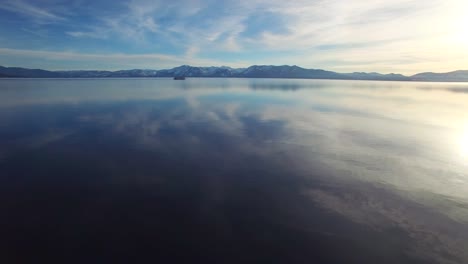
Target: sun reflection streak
x: 464, y: 142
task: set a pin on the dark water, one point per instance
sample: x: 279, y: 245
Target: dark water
x: 233, y: 171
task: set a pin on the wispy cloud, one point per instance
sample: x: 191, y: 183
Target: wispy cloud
x: 133, y: 26
x: 30, y: 11
x: 114, y: 60
x: 338, y: 35
x: 88, y: 34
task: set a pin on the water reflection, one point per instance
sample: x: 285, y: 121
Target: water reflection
x: 209, y: 170
x: 286, y: 84
x: 464, y: 142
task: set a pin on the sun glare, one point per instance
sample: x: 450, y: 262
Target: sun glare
x: 461, y: 30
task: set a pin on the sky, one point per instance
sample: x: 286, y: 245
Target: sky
x: 401, y: 36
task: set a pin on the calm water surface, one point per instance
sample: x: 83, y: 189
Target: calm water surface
x: 233, y: 171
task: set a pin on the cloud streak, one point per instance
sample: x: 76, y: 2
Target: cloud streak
x: 337, y: 35
x: 30, y: 11
x: 115, y: 60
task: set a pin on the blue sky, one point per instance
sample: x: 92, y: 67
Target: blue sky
x: 405, y: 36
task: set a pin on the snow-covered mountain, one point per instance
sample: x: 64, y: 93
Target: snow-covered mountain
x: 255, y: 71
x: 377, y: 76
x: 191, y: 71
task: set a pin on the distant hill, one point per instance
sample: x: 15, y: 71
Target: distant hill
x: 22, y: 72
x: 454, y: 76
x: 255, y: 71
x: 377, y: 76
x: 5, y: 76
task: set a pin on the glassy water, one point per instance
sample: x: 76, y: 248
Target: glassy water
x: 233, y: 171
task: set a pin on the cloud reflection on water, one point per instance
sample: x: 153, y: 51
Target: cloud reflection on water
x: 378, y: 161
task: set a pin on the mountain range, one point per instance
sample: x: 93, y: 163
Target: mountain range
x: 255, y: 71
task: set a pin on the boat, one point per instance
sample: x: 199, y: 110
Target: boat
x: 179, y: 78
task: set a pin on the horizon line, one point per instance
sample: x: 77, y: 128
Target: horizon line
x: 279, y: 65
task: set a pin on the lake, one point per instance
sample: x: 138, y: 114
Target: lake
x: 233, y: 171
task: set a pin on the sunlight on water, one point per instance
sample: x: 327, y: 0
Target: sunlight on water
x: 464, y: 142
x: 236, y: 165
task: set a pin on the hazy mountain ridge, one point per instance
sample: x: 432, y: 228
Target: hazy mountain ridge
x: 454, y: 76
x: 378, y: 76
x: 255, y: 71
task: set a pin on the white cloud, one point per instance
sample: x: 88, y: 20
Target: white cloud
x: 87, y: 34
x: 149, y: 24
x: 114, y: 61
x: 30, y: 11
x: 405, y: 36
